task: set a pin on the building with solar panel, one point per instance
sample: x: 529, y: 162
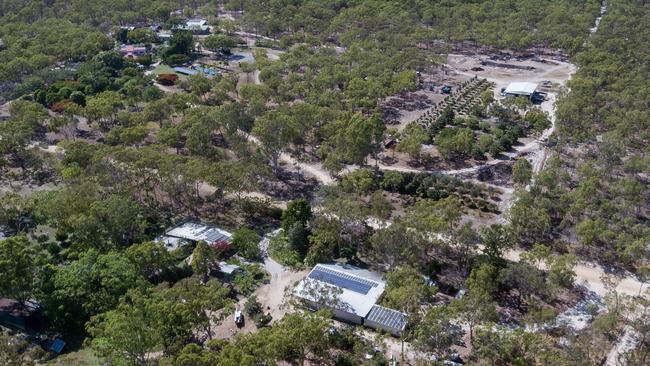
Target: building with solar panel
x: 190, y: 233
x: 352, y: 294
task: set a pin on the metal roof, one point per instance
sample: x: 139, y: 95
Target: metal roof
x: 389, y: 318
x: 356, y: 289
x: 342, y: 280
x: 185, y: 70
x: 196, y: 22
x: 196, y: 232
x: 521, y: 88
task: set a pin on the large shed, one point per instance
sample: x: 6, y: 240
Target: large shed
x: 351, y: 293
x: 525, y: 89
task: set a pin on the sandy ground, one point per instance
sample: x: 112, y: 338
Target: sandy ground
x: 407, y: 116
x: 553, y: 70
x: 591, y: 276
x: 4, y: 110
x: 270, y: 295
x: 626, y: 342
x: 459, y: 67
x: 167, y: 89
x: 248, y: 78
x: 558, y: 73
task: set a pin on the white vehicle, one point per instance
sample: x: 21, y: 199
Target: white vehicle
x: 239, y: 317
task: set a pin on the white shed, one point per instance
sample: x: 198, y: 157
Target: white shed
x: 525, y: 89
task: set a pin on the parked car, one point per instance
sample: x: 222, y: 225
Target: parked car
x: 239, y: 317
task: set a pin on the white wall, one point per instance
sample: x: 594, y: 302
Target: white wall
x: 338, y: 314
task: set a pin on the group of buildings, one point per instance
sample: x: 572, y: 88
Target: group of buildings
x: 190, y: 233
x: 351, y: 293
x: 195, y: 25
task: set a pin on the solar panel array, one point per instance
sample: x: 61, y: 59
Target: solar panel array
x: 342, y: 280
x: 389, y: 318
x: 216, y: 236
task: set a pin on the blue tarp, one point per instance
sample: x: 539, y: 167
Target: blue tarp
x: 208, y: 71
x: 57, y: 345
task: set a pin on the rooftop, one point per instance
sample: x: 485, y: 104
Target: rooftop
x: 185, y: 70
x: 389, y: 318
x: 191, y: 231
x: 228, y: 268
x: 521, y: 88
x: 340, y: 286
x: 131, y: 48
x: 196, y: 22
x: 171, y: 243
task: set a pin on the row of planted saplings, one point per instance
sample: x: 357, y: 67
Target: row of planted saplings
x: 461, y: 101
x: 473, y: 99
x: 472, y: 201
x: 468, y: 97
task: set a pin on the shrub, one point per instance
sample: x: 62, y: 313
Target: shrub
x: 133, y: 135
x: 249, y: 279
x: 280, y: 251
x: 51, y: 98
x: 176, y: 59
x: 78, y: 97
x: 392, y: 180
x: 167, y: 79
x: 65, y: 92
x: 144, y: 60
x: 252, y: 307
x: 59, y: 107
x: 261, y: 320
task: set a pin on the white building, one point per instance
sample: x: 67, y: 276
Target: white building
x: 524, y: 89
x: 164, y: 35
x: 196, y: 26
x: 196, y: 23
x: 190, y: 232
x: 351, y: 293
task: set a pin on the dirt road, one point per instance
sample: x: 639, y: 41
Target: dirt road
x: 314, y: 170
x: 271, y: 295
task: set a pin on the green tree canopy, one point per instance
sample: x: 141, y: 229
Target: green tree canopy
x: 90, y: 285
x: 246, y: 242
x: 522, y: 171
x: 19, y: 265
